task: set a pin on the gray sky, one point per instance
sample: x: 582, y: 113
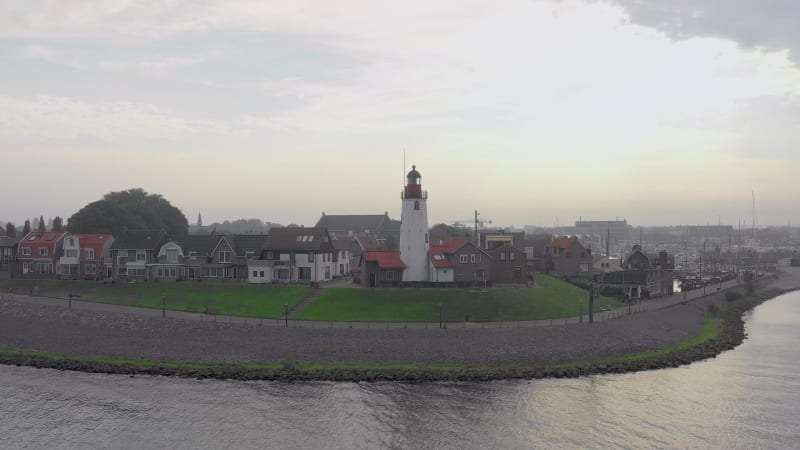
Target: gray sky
x: 660, y: 112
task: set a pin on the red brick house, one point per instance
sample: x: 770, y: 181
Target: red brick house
x: 38, y: 253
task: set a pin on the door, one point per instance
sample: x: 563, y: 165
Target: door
x: 372, y: 279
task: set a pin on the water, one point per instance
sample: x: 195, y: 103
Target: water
x: 746, y: 398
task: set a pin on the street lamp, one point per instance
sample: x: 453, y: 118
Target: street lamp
x: 440, y: 315
x: 286, y: 315
x: 580, y: 302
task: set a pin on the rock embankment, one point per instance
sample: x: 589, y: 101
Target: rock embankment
x: 227, y: 351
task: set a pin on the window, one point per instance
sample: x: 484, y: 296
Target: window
x: 341, y: 269
x: 211, y: 272
x: 502, y: 256
x: 311, y: 257
x: 225, y: 257
x: 479, y: 257
x: 172, y: 255
x: 270, y: 255
x: 472, y: 258
x: 262, y: 274
x: 44, y: 251
x: 512, y: 255
x: 71, y: 253
x: 90, y: 269
x: 255, y: 273
x: 88, y: 253
x: 192, y: 273
x: 388, y: 275
x: 327, y: 272
x: 141, y: 255
x: 248, y: 254
x: 416, y: 205
x: 229, y: 272
x: 463, y: 259
x: 26, y: 251
x: 71, y: 242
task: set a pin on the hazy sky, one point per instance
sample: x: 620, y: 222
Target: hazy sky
x: 662, y: 112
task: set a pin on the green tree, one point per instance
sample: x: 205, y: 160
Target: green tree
x: 11, y: 230
x: 26, y: 228
x: 133, y: 209
x: 42, y: 228
x: 58, y: 223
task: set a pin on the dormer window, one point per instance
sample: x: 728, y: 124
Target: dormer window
x: 26, y: 251
x: 224, y: 257
x: 44, y: 251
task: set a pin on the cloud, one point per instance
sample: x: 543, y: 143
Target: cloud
x: 767, y: 24
x: 153, y: 64
x: 47, y: 117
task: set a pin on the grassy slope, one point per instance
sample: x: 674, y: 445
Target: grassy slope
x: 553, y: 299
x: 242, y: 300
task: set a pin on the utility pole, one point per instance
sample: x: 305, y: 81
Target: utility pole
x: 477, y: 241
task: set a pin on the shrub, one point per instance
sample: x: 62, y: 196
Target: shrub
x: 732, y: 296
x: 748, y: 287
x: 713, y: 309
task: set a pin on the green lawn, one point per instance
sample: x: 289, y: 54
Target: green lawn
x: 553, y: 299
x: 238, y: 300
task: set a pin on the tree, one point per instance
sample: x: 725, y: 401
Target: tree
x: 58, y: 223
x: 42, y: 227
x: 133, y: 209
x: 11, y: 230
x: 26, y: 228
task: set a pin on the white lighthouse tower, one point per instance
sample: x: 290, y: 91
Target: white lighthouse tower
x: 414, y: 244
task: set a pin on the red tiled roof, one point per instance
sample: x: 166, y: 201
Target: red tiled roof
x: 36, y: 239
x: 386, y: 259
x: 444, y: 250
x: 95, y: 241
x: 563, y: 242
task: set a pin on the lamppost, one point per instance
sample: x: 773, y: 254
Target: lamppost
x: 580, y: 302
x: 440, y: 315
x: 286, y: 315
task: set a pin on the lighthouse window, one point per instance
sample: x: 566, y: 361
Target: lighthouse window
x: 416, y: 205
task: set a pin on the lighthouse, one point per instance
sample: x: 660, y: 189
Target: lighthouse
x: 414, y: 244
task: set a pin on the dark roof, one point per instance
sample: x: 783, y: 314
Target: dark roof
x: 413, y: 173
x: 297, y: 238
x: 353, y: 222
x: 202, y: 244
x: 9, y: 241
x: 139, y: 239
x: 244, y: 243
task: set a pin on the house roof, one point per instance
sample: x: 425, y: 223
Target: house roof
x: 297, y: 238
x: 38, y: 238
x: 95, y: 241
x: 353, y: 222
x: 139, y: 239
x: 244, y: 243
x: 563, y: 242
x: 9, y: 241
x: 386, y: 259
x: 202, y: 244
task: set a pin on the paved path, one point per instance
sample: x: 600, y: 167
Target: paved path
x: 600, y: 316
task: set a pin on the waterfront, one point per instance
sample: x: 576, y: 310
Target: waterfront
x: 745, y: 398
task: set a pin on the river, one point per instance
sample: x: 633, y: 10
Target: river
x: 745, y: 398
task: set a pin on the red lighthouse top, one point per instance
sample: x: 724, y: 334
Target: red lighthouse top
x: 413, y: 187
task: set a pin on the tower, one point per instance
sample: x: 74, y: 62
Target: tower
x: 414, y: 245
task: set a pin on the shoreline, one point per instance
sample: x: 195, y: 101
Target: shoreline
x: 730, y: 334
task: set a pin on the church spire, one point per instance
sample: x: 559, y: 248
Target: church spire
x: 199, y: 220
